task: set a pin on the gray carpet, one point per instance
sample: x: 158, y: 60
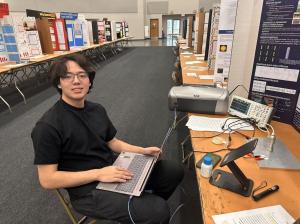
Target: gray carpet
x: 133, y: 87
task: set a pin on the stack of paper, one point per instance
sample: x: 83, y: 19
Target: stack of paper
x: 191, y: 74
x: 206, y: 77
x: 197, y: 68
x: 186, y: 52
x: 200, y: 123
x: 192, y: 62
x: 267, y: 215
x: 184, y: 47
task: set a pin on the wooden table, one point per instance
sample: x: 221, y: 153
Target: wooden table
x: 201, y: 69
x: 215, y: 200
x: 218, y: 201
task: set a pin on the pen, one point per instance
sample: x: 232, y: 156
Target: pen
x: 257, y: 157
x: 260, y: 157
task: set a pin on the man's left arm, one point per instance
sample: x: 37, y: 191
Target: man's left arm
x: 119, y: 146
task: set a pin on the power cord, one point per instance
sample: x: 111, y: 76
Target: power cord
x: 262, y: 185
x: 230, y: 129
x: 272, y: 138
x: 176, y: 210
x: 171, y: 128
x: 238, y: 87
x: 173, y: 125
x: 128, y: 207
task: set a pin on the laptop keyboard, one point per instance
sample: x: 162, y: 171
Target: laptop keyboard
x: 136, y: 167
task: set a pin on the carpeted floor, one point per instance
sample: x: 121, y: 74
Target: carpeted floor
x: 133, y: 87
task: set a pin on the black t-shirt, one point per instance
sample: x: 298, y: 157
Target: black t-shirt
x: 75, y: 139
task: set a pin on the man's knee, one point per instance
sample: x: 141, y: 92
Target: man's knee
x: 151, y: 210
x: 175, y: 171
x: 158, y: 214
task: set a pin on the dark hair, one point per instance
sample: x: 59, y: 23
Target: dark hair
x: 59, y: 69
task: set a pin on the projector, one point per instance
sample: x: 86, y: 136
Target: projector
x: 199, y: 99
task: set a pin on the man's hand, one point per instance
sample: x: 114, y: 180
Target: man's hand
x: 154, y: 151
x: 113, y: 174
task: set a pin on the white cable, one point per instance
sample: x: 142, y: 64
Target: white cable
x: 272, y: 138
x: 165, y: 139
x: 175, y: 118
x: 273, y: 132
x: 171, y: 128
x: 176, y: 210
x: 129, y: 200
x: 266, y: 130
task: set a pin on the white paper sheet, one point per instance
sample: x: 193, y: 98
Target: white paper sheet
x: 186, y: 53
x: 206, y: 77
x: 201, y: 123
x: 267, y: 215
x: 191, y: 74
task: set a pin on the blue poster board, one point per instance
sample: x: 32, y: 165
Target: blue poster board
x: 78, y: 33
x: 10, y: 42
x: 70, y: 33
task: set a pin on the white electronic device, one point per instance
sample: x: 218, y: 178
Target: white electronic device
x: 245, y: 108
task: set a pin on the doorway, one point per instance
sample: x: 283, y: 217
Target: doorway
x: 173, y: 27
x: 154, y: 25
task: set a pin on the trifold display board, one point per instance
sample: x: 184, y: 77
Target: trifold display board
x: 78, y: 33
x: 101, y: 31
x: 58, y: 34
x: 20, y: 35
x: 3, y: 50
x: 199, y: 30
x: 125, y: 28
x: 52, y: 31
x: 85, y: 33
x: 32, y: 35
x: 95, y: 31
x: 74, y: 29
x: 275, y: 76
x: 189, y: 31
x: 206, y: 34
x: 225, y: 39
x: 113, y: 30
x: 108, y: 32
x: 214, y: 31
x: 44, y: 34
x: 184, y: 28
x: 10, y: 39
x: 119, y: 30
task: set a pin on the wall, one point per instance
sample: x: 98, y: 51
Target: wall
x: 160, y: 25
x: 245, y: 37
x: 175, y: 8
x: 165, y: 19
x: 183, y: 6
x: 208, y: 4
x: 133, y: 13
x: 93, y: 6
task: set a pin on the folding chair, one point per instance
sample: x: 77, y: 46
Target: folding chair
x: 68, y: 207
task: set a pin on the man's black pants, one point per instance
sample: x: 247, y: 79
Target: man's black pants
x: 149, y: 208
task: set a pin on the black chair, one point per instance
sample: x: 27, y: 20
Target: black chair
x: 84, y: 219
x: 68, y: 208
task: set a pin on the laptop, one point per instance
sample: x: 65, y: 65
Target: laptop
x: 138, y: 164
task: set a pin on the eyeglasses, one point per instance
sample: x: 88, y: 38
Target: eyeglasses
x: 71, y: 76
